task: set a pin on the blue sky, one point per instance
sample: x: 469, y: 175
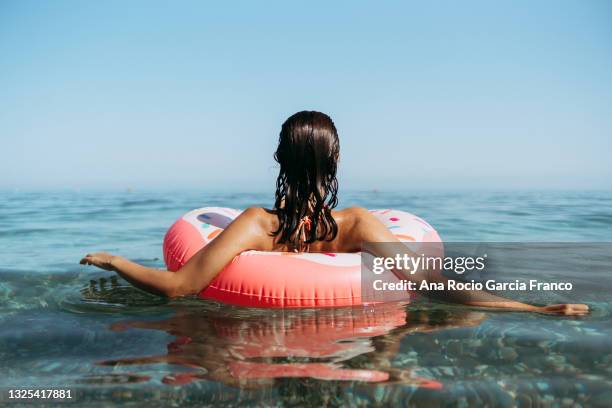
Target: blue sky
x: 490, y: 95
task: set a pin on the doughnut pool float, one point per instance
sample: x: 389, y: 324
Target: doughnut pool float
x: 283, y: 279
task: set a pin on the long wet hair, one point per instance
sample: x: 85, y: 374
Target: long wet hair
x: 308, y: 150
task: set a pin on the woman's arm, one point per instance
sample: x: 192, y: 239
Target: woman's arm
x: 369, y: 229
x: 242, y: 234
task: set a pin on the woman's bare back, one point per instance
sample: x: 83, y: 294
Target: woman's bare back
x: 350, y: 221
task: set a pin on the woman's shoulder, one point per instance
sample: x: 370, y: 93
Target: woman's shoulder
x: 352, y: 215
x: 260, y: 216
x: 361, y: 225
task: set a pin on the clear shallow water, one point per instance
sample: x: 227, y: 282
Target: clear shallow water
x: 67, y: 326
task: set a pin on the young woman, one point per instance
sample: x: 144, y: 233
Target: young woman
x: 303, y: 219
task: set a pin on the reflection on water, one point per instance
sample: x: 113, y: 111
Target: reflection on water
x: 112, y: 342
x: 251, y: 351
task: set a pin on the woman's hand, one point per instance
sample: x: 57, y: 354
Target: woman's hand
x: 565, y: 309
x: 151, y: 280
x: 100, y: 259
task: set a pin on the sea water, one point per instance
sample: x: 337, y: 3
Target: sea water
x: 67, y: 326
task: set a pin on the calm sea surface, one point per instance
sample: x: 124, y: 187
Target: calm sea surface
x: 67, y: 326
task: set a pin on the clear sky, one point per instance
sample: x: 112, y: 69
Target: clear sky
x: 426, y: 95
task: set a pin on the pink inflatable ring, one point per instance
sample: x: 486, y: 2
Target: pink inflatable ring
x: 282, y: 279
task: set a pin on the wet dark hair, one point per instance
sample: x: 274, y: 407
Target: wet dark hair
x: 308, y: 150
